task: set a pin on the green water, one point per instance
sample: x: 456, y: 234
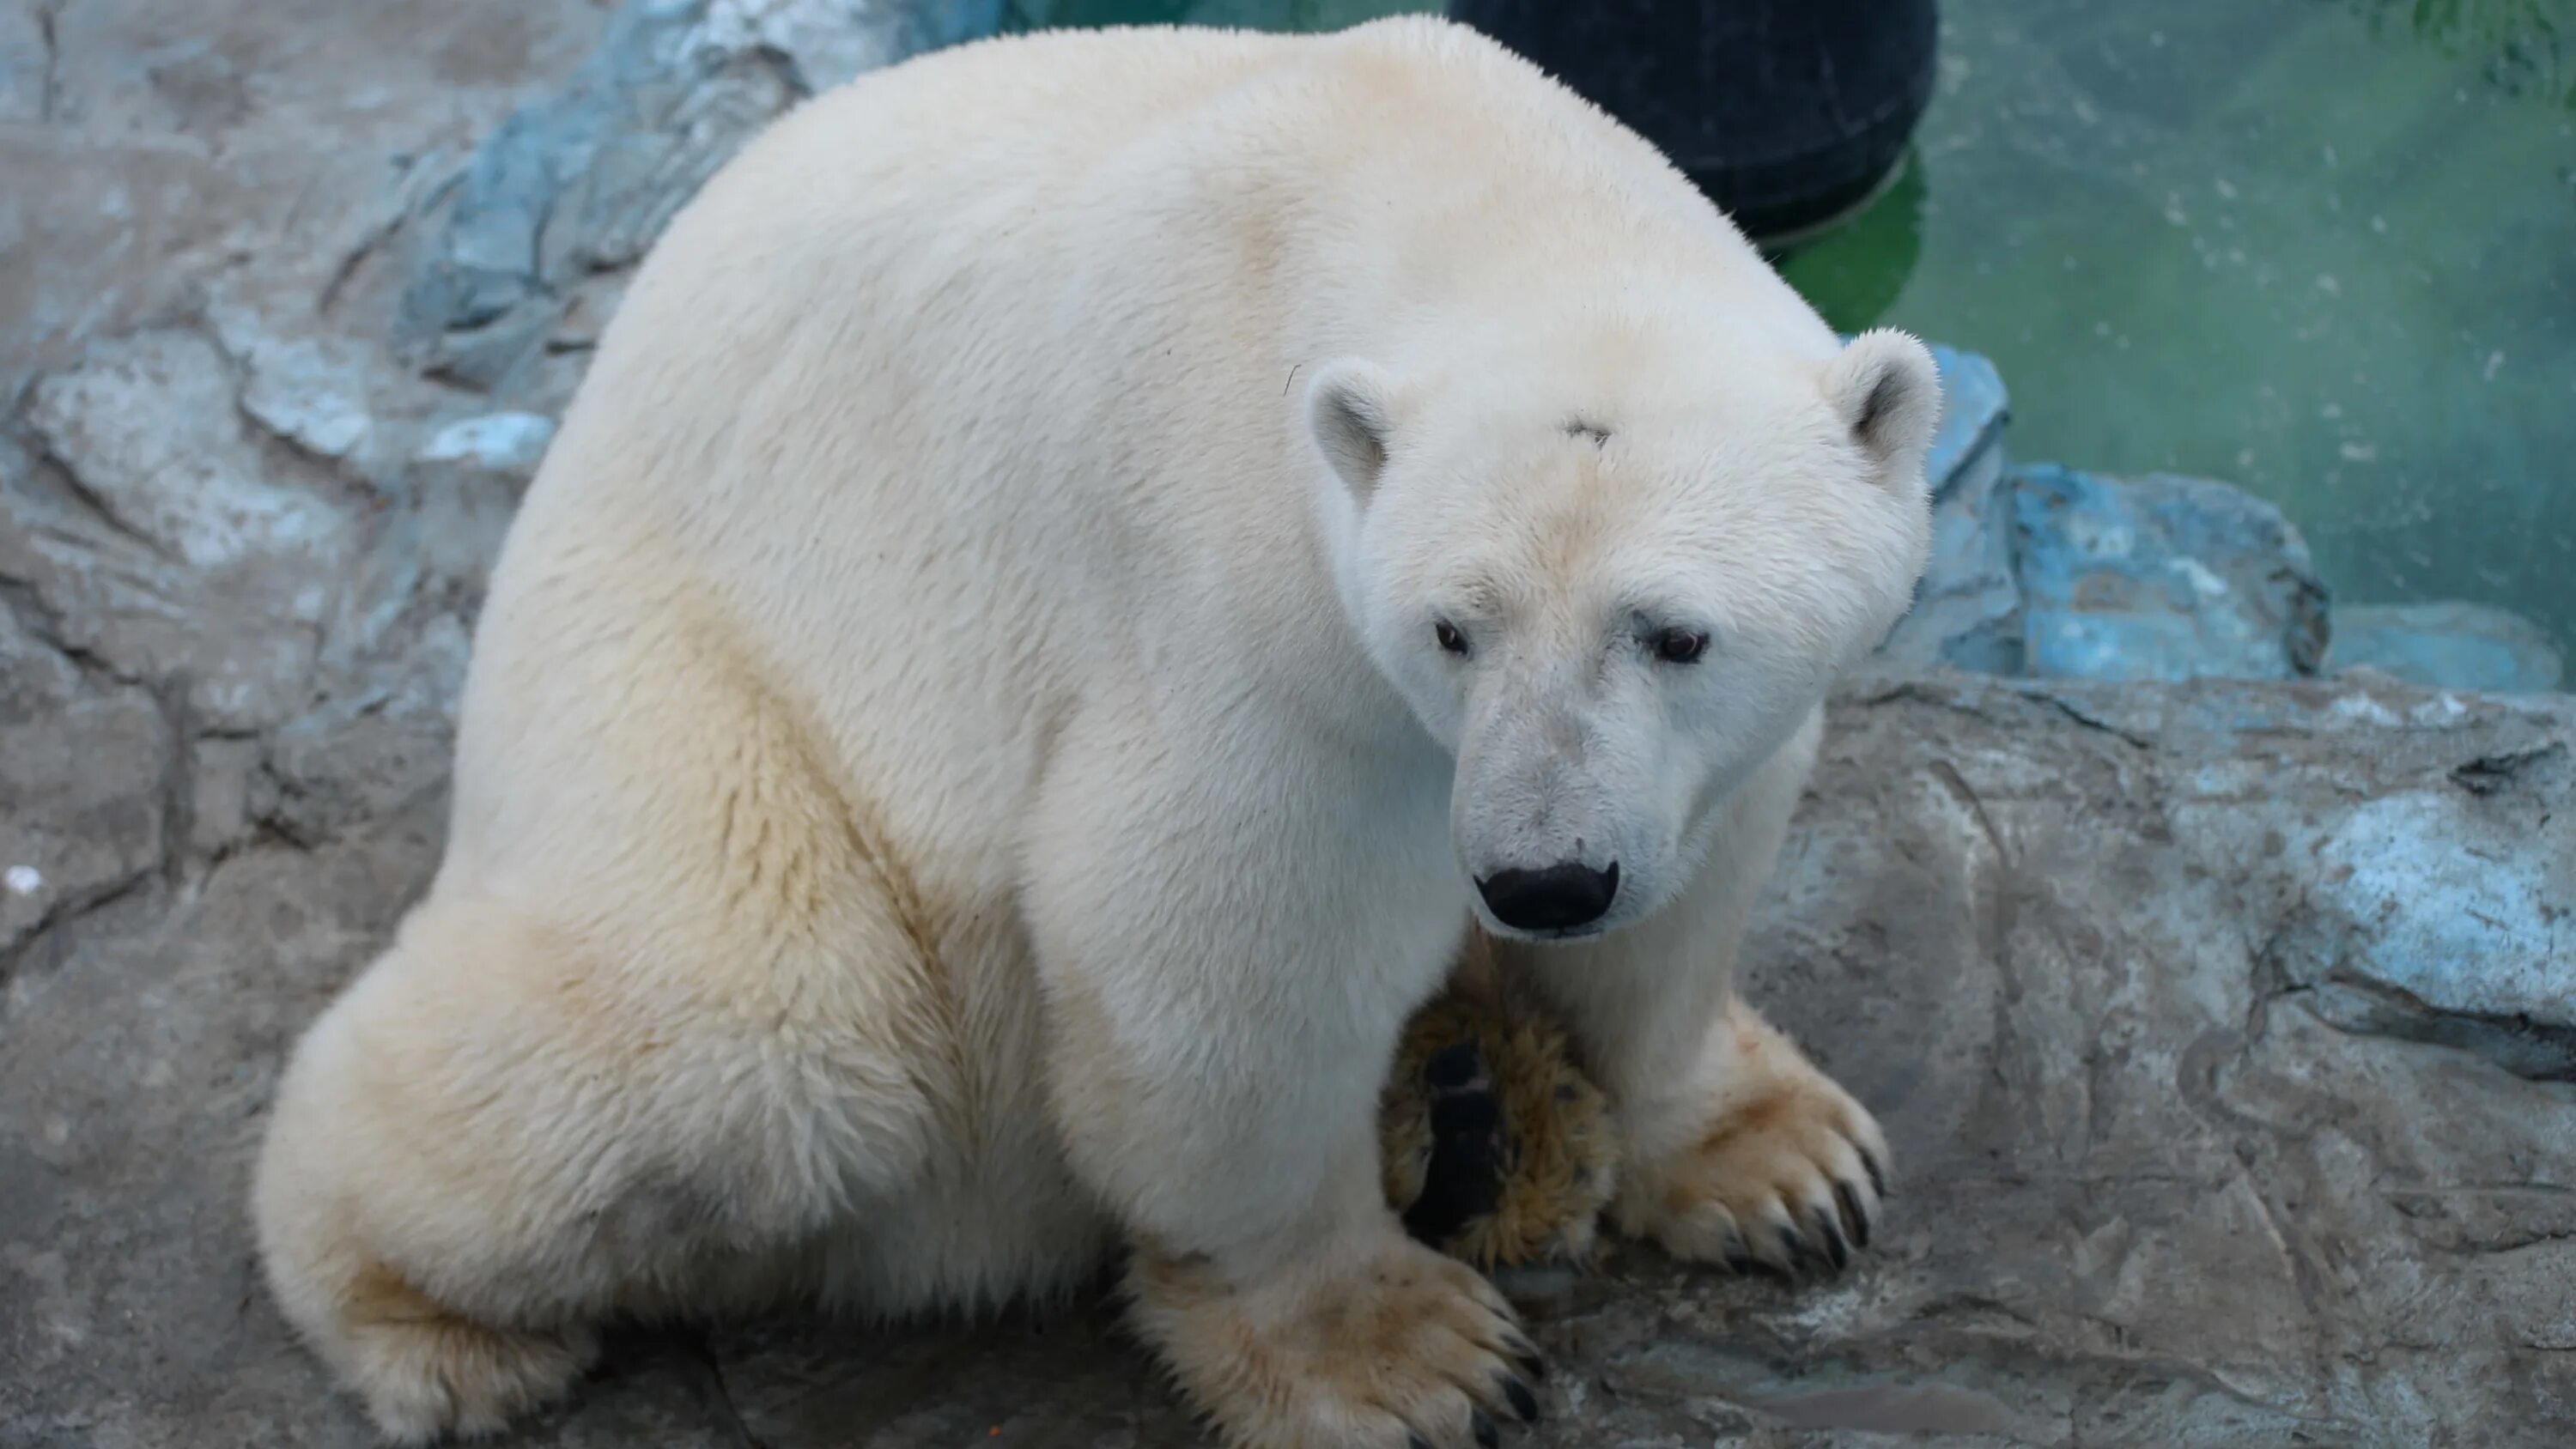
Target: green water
x: 2325, y: 249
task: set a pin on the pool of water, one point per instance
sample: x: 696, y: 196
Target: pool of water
x: 2325, y: 249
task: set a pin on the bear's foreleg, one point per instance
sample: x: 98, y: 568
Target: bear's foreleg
x: 1222, y: 1008
x: 1735, y: 1148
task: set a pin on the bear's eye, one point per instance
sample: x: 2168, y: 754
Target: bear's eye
x: 1449, y: 637
x: 1680, y: 646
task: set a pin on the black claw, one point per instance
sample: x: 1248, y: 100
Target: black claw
x: 1877, y: 1174
x: 1524, y: 1403
x: 1740, y: 1262
x: 1486, y: 1433
x: 1794, y: 1249
x: 1529, y: 1362
x: 1837, y: 1251
x: 1855, y: 1222
x: 1416, y: 1441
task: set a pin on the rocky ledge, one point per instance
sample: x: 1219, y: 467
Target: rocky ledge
x: 2224, y: 1032
x: 2226, y: 1029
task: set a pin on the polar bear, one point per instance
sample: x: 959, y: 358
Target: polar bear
x: 1082, y: 566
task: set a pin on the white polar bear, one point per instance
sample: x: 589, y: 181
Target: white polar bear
x: 1080, y: 564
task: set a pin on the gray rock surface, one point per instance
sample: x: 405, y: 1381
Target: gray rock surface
x: 2185, y: 1158
x: 2224, y: 1030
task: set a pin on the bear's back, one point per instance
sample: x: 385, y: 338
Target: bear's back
x: 1003, y: 344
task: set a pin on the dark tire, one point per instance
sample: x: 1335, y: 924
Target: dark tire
x: 1788, y: 113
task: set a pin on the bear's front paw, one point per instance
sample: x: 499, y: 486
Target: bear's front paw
x: 1399, y: 1348
x: 1785, y: 1171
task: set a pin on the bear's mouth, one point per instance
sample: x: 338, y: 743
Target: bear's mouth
x: 1550, y: 935
x: 1566, y: 933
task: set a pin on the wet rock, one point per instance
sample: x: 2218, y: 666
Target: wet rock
x: 2161, y: 577
x: 2448, y: 645
x: 2054, y: 573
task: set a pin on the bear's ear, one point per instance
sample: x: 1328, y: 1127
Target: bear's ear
x: 1351, y: 409
x: 1889, y: 394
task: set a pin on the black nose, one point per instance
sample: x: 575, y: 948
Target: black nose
x: 1558, y: 898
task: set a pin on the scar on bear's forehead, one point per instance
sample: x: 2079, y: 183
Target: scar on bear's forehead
x: 1585, y: 428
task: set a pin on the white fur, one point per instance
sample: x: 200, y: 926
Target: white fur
x: 956, y: 765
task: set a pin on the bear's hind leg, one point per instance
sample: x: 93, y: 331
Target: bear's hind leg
x: 493, y: 1141
x: 425, y: 1370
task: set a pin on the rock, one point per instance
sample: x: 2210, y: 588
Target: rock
x: 2448, y: 645
x: 160, y: 539
x: 827, y: 42
x: 2157, y: 1181
x: 2054, y: 573
x: 2161, y: 578
x: 26, y: 64
x: 511, y: 443
x: 1974, y: 411
x: 223, y: 775
x: 149, y: 430
x: 84, y: 770
x: 310, y: 391
x: 371, y: 753
x: 2449, y: 913
x: 582, y: 181
x: 1967, y: 609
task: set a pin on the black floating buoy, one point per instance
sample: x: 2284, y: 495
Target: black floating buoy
x: 1789, y: 114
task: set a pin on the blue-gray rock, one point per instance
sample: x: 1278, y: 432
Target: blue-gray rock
x: 583, y: 180
x: 507, y: 442
x: 2160, y: 577
x: 1967, y: 608
x: 2448, y: 645
x: 2450, y: 915
x: 1974, y: 411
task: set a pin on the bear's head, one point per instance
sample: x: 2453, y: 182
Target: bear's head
x: 1614, y: 591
